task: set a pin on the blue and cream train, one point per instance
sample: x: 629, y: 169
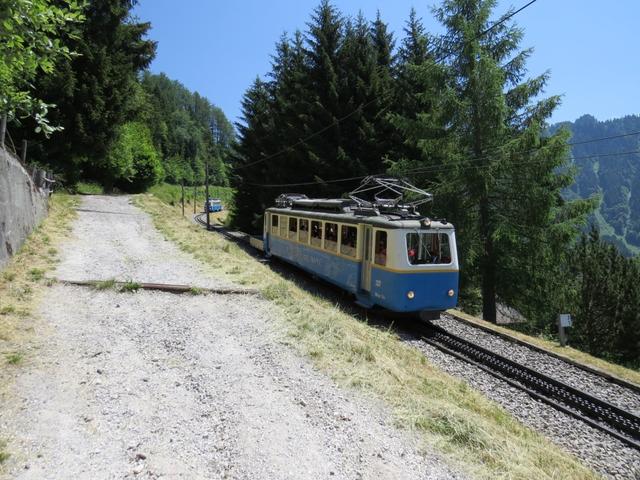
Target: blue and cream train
x: 397, y: 262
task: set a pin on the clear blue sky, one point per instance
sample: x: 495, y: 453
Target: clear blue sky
x: 218, y: 47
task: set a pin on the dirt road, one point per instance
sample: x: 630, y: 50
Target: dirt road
x: 156, y: 385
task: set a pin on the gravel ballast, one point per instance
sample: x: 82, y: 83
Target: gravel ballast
x: 158, y: 385
x: 576, y: 377
x: 605, y: 454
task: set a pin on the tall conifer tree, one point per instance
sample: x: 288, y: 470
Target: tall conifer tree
x: 256, y: 142
x: 507, y: 169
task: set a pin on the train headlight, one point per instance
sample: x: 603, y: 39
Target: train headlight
x: 451, y: 293
x: 410, y: 294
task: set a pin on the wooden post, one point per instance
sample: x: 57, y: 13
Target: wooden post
x: 24, y: 152
x: 3, y: 129
x: 182, y: 189
x: 195, y: 197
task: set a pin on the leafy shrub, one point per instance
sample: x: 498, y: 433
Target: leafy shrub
x: 133, y: 162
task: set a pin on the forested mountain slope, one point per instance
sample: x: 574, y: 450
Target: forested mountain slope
x: 605, y: 169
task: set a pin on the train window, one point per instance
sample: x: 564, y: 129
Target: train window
x: 331, y: 236
x: 274, y: 224
x: 316, y: 233
x: 303, y: 231
x: 348, y: 240
x: 381, y: 248
x: 283, y: 226
x: 293, y: 228
x: 425, y: 248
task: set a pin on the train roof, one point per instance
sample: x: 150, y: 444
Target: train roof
x: 347, y: 211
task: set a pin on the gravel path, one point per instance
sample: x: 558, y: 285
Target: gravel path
x: 115, y: 240
x: 155, y: 385
x: 554, y: 367
x: 605, y: 454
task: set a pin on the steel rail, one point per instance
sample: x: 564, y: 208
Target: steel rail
x: 531, y: 346
x: 597, y: 413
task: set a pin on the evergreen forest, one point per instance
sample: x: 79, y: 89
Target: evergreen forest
x: 99, y: 115
x: 615, y: 177
x: 457, y: 113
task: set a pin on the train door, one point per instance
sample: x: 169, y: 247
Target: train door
x: 365, y: 280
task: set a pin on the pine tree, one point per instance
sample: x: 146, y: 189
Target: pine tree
x: 256, y: 143
x: 481, y: 138
x: 326, y: 97
x: 93, y: 91
x: 326, y: 158
x: 290, y: 92
x: 359, y: 93
x: 383, y: 45
x: 414, y: 49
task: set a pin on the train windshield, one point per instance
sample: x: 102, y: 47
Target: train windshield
x: 428, y: 248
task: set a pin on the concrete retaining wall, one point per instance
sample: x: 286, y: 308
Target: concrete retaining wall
x: 22, y: 205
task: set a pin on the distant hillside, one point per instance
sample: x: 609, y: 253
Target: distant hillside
x: 615, y: 177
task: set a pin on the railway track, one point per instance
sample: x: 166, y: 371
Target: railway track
x: 593, y: 411
x: 234, y: 236
x: 597, y: 413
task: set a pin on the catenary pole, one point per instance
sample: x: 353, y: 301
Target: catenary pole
x: 206, y: 194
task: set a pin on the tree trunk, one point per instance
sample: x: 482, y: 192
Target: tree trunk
x: 488, y: 273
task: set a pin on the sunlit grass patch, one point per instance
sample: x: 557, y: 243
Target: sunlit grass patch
x: 36, y: 274
x: 474, y: 432
x: 105, y: 284
x: 7, y: 309
x: 4, y: 456
x: 14, y: 358
x: 172, y: 195
x: 22, y: 280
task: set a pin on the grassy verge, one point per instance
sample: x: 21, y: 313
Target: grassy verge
x: 172, y: 195
x: 23, y: 279
x: 572, y: 353
x: 475, y: 433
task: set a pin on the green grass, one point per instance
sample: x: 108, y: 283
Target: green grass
x: 105, y: 284
x: 8, y: 276
x: 21, y: 287
x: 21, y: 281
x: 14, y: 358
x: 89, y: 188
x: 130, y: 286
x: 196, y: 291
x: 36, y: 274
x: 4, y: 456
x: 607, y: 230
x: 472, y: 431
x: 171, y: 194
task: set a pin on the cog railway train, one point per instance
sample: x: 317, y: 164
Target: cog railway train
x: 382, y: 251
